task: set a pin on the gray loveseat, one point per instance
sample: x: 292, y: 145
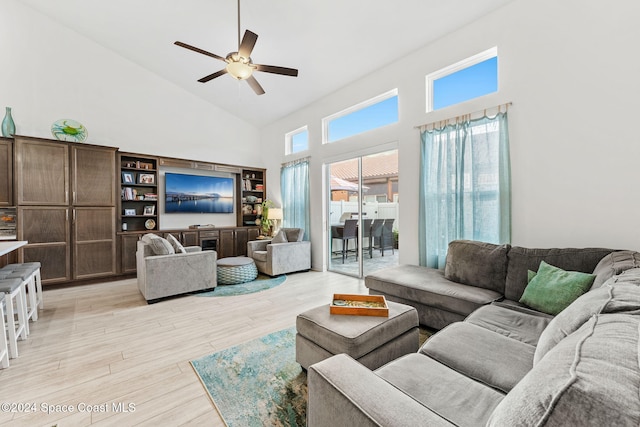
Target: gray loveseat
x: 163, y: 273
x: 286, y: 253
x: 504, y: 364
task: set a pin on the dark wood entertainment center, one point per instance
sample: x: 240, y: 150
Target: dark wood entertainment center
x: 83, y: 207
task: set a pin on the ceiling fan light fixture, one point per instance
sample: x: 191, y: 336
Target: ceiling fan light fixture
x: 238, y: 67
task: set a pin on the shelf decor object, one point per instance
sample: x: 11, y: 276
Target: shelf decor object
x: 69, y: 130
x: 8, y: 125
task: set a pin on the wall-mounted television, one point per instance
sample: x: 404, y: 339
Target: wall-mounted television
x: 197, y: 194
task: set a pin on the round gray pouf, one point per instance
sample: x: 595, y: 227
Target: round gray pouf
x: 236, y: 270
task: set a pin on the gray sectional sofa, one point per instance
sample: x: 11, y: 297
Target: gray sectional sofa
x: 496, y: 361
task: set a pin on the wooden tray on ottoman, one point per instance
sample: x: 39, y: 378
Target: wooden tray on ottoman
x: 359, y: 305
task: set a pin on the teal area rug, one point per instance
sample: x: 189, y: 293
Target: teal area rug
x: 262, y: 282
x: 257, y: 383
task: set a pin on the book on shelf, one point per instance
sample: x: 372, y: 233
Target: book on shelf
x: 128, y: 193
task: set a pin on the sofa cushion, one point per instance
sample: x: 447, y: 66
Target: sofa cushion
x: 280, y: 237
x: 589, y: 379
x: 294, y: 234
x: 177, y: 246
x: 614, y: 263
x: 518, y: 324
x: 441, y: 389
x: 611, y: 297
x: 487, y: 357
x: 477, y: 263
x: 428, y: 286
x: 158, y: 245
x: 523, y: 259
x: 260, y: 256
x: 553, y: 289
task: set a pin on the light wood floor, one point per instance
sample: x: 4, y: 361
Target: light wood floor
x: 101, y: 344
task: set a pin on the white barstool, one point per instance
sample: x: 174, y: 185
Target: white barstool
x: 34, y: 268
x: 28, y: 291
x: 4, y: 348
x: 16, y: 313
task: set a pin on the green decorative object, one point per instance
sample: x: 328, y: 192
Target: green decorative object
x: 552, y: 289
x: 69, y: 130
x: 8, y: 126
x: 265, y: 222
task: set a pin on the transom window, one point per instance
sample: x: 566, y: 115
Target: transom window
x: 465, y: 80
x: 365, y: 116
x: 297, y: 141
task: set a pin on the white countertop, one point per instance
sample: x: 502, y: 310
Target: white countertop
x: 6, y: 247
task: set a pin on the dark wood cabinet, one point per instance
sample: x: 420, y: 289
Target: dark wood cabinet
x: 6, y: 172
x: 93, y: 179
x: 47, y: 229
x: 73, y: 236
x: 128, y: 247
x: 189, y: 238
x: 94, y: 244
x: 42, y: 172
x: 233, y: 241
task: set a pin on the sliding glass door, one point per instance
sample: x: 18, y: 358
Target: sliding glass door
x: 362, y: 217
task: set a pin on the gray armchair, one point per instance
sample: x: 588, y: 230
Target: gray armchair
x: 160, y: 276
x: 274, y: 259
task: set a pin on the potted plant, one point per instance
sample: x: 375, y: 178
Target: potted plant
x: 265, y: 224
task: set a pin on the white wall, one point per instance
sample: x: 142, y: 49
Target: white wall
x: 50, y: 72
x: 571, y: 72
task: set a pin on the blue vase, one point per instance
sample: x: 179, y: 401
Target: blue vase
x: 8, y: 126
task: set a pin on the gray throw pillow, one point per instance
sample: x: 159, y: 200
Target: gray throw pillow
x: 177, y: 246
x: 614, y: 263
x: 158, y: 245
x: 294, y: 234
x: 479, y: 264
x: 281, y: 237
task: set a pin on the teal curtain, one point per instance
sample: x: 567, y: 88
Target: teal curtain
x: 294, y: 184
x: 465, y: 188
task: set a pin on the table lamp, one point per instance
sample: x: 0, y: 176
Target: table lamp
x: 273, y: 215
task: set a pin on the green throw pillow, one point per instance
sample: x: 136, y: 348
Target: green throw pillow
x: 553, y: 289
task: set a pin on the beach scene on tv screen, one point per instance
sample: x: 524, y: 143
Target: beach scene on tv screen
x: 198, y: 194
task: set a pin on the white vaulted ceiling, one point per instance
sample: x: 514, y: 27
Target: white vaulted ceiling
x: 331, y: 42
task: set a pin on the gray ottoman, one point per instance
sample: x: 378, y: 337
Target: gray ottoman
x: 372, y: 341
x: 236, y: 270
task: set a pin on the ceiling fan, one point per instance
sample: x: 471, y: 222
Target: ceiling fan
x: 239, y: 64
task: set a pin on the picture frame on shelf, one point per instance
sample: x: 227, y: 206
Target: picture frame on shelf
x: 129, y: 212
x: 146, y: 178
x: 128, y: 177
x: 149, y: 210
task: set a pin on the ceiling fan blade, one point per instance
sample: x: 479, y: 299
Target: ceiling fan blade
x: 255, y: 85
x: 213, y: 76
x: 277, y: 70
x: 248, y: 42
x: 195, y: 49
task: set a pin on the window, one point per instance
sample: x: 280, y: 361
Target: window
x: 372, y: 114
x: 468, y: 79
x: 297, y: 141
